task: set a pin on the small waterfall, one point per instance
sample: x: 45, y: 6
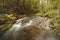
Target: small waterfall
x: 13, y: 32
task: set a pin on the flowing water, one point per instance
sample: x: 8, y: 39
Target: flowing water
x: 20, y: 24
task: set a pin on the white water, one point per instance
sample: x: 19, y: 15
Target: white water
x: 19, y: 25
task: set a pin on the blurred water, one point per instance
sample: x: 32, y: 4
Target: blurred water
x: 13, y: 32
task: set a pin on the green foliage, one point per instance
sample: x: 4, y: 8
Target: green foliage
x: 11, y: 16
x: 51, y: 11
x: 3, y: 19
x: 6, y: 21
